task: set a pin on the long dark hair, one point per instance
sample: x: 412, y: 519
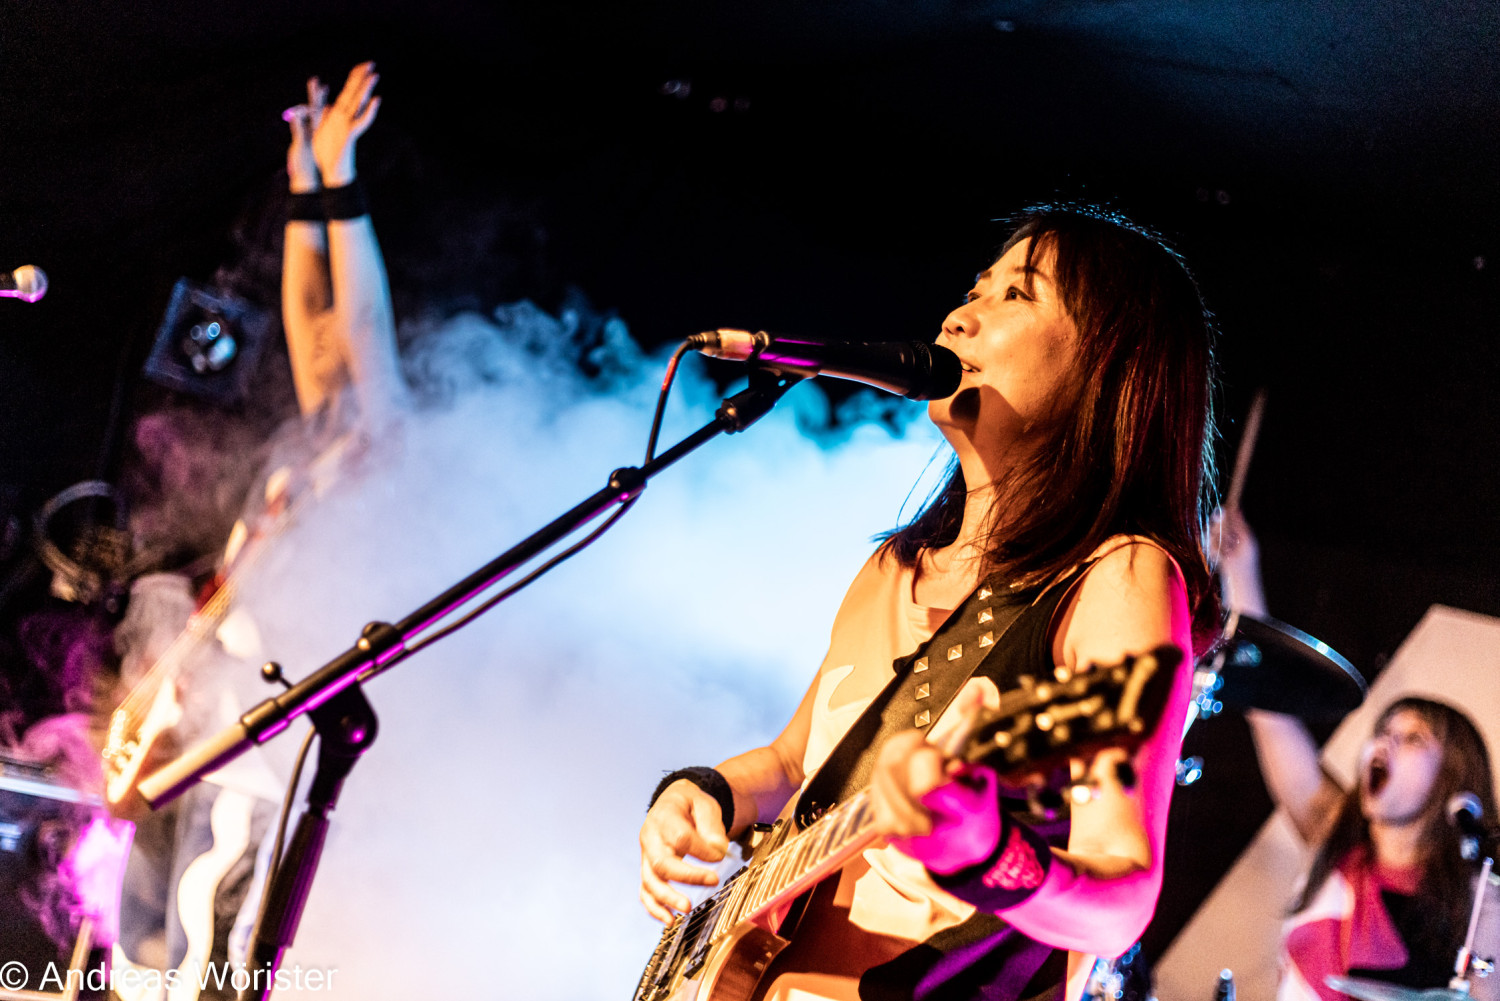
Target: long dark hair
x: 1134, y: 451
x: 1444, y: 891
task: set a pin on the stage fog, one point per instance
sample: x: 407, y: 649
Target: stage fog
x: 487, y: 842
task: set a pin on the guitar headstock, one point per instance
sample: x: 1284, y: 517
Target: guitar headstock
x: 1046, y: 721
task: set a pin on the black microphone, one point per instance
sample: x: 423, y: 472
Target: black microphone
x: 916, y: 370
x: 1466, y: 813
x: 28, y: 283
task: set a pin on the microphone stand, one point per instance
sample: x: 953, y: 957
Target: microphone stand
x: 333, y: 698
x: 1483, y: 844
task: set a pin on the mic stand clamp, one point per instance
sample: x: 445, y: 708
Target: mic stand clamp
x: 767, y: 385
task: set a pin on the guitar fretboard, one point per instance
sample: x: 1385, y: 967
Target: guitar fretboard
x: 1046, y: 721
x: 781, y: 874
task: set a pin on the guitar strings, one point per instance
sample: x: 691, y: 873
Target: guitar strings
x: 136, y: 705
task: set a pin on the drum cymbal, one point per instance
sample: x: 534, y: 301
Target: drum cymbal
x: 1379, y: 990
x: 1266, y: 664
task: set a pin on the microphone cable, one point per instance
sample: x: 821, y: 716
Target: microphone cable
x: 289, y: 801
x: 661, y: 406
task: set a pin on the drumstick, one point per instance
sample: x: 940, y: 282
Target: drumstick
x: 1246, y: 450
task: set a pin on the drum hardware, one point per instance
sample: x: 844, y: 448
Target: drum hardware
x: 1465, y: 965
x: 1189, y: 770
x: 1265, y: 664
x: 1125, y: 978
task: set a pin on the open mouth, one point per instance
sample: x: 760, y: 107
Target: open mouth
x: 1379, y: 775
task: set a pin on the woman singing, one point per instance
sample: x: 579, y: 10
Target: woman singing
x: 1082, y: 445
x: 1388, y: 894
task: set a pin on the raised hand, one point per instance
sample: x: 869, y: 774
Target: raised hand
x: 301, y: 168
x: 1239, y: 561
x: 340, y: 124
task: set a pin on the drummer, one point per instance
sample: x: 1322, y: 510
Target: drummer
x: 1388, y: 894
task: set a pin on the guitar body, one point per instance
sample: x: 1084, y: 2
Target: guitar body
x: 126, y: 752
x: 724, y: 947
x: 734, y: 968
x: 821, y: 953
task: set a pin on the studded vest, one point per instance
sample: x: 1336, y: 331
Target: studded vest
x: 996, y: 633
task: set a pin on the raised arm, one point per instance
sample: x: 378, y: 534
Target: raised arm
x: 1239, y: 562
x: 1289, y: 764
x: 1289, y: 758
x: 336, y: 300
x: 306, y: 292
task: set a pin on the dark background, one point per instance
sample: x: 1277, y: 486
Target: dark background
x: 832, y: 168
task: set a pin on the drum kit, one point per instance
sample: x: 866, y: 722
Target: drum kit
x: 1260, y: 663
x: 1265, y: 664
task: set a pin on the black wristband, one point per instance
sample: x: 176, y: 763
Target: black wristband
x: 707, y: 779
x: 1014, y: 871
x: 347, y: 202
x: 306, y: 206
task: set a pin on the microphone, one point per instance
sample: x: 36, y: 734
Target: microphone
x: 916, y: 370
x: 28, y: 283
x: 1466, y: 813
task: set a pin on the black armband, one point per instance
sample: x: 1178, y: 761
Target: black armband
x: 707, y: 779
x: 305, y: 206
x: 346, y: 202
x: 1014, y: 871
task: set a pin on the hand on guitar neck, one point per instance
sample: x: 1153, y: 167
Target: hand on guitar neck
x: 931, y: 805
x: 936, y: 801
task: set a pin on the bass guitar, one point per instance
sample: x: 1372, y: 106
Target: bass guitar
x: 151, y: 708
x: 720, y: 949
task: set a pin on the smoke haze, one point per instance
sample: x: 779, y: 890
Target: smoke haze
x: 487, y: 842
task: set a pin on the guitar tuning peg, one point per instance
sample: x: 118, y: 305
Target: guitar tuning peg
x: 1046, y: 803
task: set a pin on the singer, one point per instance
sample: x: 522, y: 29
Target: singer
x: 1387, y: 896
x: 1081, y: 475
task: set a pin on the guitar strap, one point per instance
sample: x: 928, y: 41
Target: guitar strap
x: 924, y: 684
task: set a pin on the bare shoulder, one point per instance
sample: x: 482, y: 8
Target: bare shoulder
x: 1131, y: 599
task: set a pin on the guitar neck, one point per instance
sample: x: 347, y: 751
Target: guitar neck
x: 1047, y: 721
x: 1071, y: 715
x: 800, y: 862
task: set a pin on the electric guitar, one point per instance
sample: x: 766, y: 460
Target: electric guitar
x: 721, y: 948
x: 151, y: 708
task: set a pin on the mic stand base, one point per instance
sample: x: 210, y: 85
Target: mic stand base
x: 346, y: 727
